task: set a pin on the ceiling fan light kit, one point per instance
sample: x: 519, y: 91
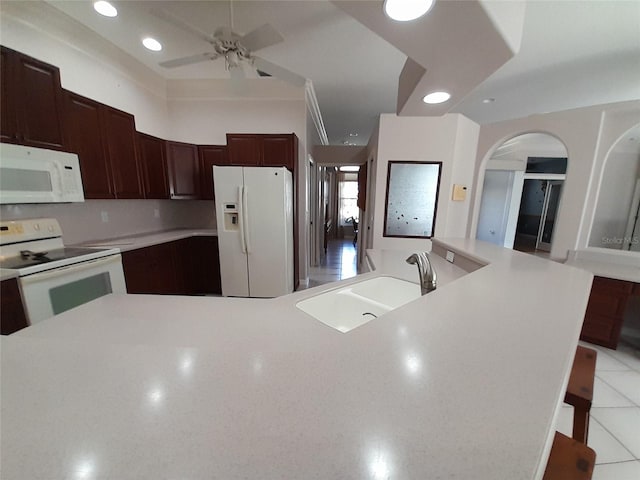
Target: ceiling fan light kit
x: 237, y: 50
x: 406, y: 10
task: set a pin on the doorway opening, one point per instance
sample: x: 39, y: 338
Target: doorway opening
x: 522, y: 192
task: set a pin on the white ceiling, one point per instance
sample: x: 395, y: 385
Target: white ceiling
x: 573, y: 53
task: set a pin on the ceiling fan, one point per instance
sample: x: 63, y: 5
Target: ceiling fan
x: 235, y: 49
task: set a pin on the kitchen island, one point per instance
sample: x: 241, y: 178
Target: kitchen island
x: 464, y: 382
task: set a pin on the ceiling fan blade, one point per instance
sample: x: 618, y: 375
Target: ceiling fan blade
x: 178, y: 62
x: 180, y: 23
x: 261, y: 37
x: 279, y: 72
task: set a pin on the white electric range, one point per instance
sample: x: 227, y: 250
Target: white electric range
x: 54, y: 278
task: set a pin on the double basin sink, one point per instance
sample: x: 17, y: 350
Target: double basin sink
x: 349, y: 307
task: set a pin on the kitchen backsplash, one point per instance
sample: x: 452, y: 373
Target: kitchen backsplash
x: 103, y: 219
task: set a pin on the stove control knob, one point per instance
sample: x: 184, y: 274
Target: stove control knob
x: 50, y: 228
x: 36, y: 226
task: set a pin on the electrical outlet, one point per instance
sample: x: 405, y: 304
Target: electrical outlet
x: 450, y: 256
x: 105, y: 216
x: 156, y: 213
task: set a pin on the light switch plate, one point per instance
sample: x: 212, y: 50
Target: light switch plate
x: 104, y: 215
x: 450, y: 256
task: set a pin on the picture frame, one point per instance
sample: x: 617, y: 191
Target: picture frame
x: 411, y: 201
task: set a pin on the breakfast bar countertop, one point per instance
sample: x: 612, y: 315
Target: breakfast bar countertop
x: 464, y: 382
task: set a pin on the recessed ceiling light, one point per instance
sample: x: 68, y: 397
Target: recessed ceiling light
x: 105, y: 8
x: 353, y: 134
x: 405, y: 10
x: 436, y: 97
x: 152, y: 44
x: 488, y: 100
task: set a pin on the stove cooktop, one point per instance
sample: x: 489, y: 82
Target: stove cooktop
x: 54, y: 258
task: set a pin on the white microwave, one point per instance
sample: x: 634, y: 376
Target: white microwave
x: 36, y: 175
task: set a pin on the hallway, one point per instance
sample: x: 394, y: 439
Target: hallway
x: 339, y: 263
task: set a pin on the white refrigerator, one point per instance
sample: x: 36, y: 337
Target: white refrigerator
x: 254, y: 214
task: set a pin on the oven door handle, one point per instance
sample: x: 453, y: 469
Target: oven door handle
x: 76, y: 267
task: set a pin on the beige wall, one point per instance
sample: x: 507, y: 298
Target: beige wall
x: 450, y: 139
x: 588, y: 133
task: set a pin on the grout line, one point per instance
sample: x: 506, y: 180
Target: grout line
x: 618, y: 392
x: 592, y: 419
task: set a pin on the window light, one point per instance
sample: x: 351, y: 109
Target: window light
x: 105, y: 8
x: 405, y: 10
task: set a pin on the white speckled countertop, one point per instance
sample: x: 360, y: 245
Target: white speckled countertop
x: 609, y: 263
x: 142, y: 240
x: 462, y: 383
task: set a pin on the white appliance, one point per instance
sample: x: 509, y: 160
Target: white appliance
x: 36, y: 175
x: 254, y: 211
x: 54, y: 278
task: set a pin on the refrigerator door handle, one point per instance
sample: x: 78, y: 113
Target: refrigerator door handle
x: 241, y: 219
x: 245, y: 218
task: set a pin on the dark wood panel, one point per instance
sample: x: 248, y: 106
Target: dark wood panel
x: 362, y: 187
x: 83, y: 124
x: 150, y: 270
x: 210, y: 155
x: 244, y: 149
x: 8, y: 95
x: 13, y: 313
x: 636, y: 289
x: 39, y: 103
x: 120, y: 136
x: 154, y: 166
x: 605, y: 311
x: 278, y: 151
x: 184, y: 170
x: 206, y: 265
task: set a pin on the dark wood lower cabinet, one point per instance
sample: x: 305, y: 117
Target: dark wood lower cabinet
x: 605, y: 311
x: 185, y: 267
x: 14, y: 317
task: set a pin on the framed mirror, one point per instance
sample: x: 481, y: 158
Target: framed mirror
x: 411, y: 199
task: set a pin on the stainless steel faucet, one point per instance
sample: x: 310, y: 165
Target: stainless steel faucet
x: 425, y: 270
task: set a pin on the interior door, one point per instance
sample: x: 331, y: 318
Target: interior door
x: 552, y: 196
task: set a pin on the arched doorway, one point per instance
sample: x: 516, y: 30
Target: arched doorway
x: 616, y: 223
x: 522, y: 191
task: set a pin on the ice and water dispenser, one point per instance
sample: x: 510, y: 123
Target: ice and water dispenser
x: 231, y: 219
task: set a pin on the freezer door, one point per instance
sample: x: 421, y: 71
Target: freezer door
x: 268, y: 218
x: 228, y: 186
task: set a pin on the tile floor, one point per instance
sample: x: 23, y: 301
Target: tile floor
x: 339, y: 263
x: 614, y: 431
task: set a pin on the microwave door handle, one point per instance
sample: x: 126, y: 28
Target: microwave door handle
x: 76, y: 267
x: 56, y: 180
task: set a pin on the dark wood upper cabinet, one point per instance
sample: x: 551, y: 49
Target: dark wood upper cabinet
x: 278, y: 150
x: 244, y: 149
x: 8, y: 94
x: 263, y: 150
x: 184, y: 170
x: 83, y: 124
x: 210, y: 155
x: 120, y: 136
x: 33, y: 95
x: 154, y: 166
